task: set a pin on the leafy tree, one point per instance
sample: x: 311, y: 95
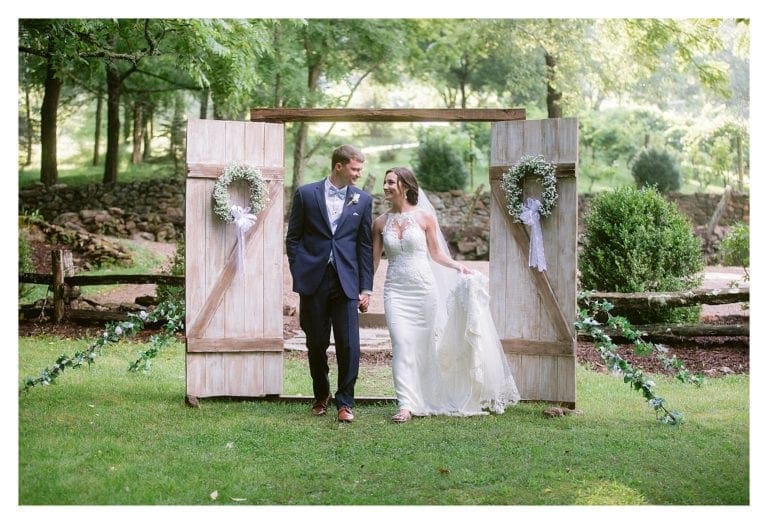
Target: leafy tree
x: 315, y: 55
x: 42, y: 43
x: 713, y: 146
x: 468, y: 60
x: 134, y: 57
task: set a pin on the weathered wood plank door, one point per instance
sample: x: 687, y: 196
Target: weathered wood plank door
x: 535, y: 311
x: 234, y: 316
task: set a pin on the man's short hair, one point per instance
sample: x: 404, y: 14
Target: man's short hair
x: 343, y: 154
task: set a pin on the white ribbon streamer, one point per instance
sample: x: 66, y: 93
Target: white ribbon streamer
x: 530, y: 216
x: 243, y: 219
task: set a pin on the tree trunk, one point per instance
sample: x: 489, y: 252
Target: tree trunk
x: 29, y: 130
x: 49, y: 171
x: 298, y: 156
x: 205, y: 93
x: 127, y: 119
x: 113, y: 125
x: 302, y: 131
x: 138, y: 134
x: 97, y: 130
x: 554, y: 110
x: 278, y: 80
x: 147, y: 135
x: 177, y: 135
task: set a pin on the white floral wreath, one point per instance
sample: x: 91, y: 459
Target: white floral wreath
x: 259, y: 195
x: 511, y: 182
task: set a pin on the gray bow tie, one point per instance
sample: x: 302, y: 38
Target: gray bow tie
x: 338, y: 193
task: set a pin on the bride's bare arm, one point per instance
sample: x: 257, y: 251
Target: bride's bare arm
x: 437, y: 254
x: 378, y: 243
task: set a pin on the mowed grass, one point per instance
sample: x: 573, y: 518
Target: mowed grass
x: 105, y: 436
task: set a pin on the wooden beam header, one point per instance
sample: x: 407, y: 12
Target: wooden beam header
x: 386, y: 115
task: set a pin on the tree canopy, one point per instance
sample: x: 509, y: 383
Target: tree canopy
x: 151, y: 69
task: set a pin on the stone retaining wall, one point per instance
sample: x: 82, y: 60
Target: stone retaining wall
x: 155, y: 211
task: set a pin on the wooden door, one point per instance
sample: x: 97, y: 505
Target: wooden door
x: 535, y: 311
x: 234, y: 315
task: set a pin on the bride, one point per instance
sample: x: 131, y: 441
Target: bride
x: 446, y: 354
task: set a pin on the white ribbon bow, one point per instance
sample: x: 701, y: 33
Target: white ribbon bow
x: 530, y: 216
x: 243, y: 219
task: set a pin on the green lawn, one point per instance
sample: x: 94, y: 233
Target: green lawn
x: 104, y: 436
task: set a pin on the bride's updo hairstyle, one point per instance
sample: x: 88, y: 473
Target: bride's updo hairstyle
x: 407, y: 181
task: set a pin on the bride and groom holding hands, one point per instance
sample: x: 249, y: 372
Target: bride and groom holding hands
x: 446, y: 355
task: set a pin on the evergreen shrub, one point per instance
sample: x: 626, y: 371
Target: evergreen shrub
x: 655, y: 168
x: 634, y: 240
x: 734, y: 249
x: 438, y: 165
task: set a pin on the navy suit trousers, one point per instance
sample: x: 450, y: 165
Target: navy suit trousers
x: 329, y: 307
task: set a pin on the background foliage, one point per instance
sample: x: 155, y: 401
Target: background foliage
x: 125, y: 87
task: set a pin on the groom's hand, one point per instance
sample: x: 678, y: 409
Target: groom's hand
x: 364, y: 299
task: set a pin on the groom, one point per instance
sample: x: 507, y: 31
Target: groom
x: 330, y: 255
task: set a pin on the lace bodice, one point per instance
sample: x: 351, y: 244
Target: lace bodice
x: 403, y: 236
x: 405, y: 244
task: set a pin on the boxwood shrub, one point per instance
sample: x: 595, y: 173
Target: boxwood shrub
x: 634, y: 240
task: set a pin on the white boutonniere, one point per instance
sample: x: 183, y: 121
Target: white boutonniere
x: 354, y: 199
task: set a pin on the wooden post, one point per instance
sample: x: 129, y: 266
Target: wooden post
x: 719, y: 210
x: 61, y: 266
x: 57, y: 281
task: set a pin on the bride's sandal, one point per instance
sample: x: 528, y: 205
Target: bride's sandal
x: 402, y: 416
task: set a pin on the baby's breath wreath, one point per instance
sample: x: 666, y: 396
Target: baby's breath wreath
x: 259, y: 195
x: 512, y: 183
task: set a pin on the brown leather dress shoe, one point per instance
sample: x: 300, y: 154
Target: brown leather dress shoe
x: 320, y: 407
x: 345, y: 414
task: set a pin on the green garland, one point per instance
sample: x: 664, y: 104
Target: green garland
x: 259, y: 196
x: 169, y: 312
x: 631, y: 375
x: 512, y: 184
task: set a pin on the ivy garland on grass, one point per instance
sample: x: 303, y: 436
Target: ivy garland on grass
x: 170, y: 313
x: 618, y: 364
x: 259, y: 194
x: 512, y: 184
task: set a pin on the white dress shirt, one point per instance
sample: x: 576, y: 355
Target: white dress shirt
x: 334, y: 204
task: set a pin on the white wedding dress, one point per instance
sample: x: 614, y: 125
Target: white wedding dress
x: 446, y: 354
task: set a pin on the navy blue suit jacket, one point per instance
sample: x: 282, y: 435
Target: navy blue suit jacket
x: 309, y: 240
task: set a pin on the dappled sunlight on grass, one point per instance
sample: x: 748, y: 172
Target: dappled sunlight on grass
x: 608, y: 493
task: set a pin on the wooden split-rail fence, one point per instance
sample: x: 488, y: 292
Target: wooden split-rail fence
x: 62, y: 279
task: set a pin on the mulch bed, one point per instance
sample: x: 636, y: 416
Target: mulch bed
x: 710, y: 356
